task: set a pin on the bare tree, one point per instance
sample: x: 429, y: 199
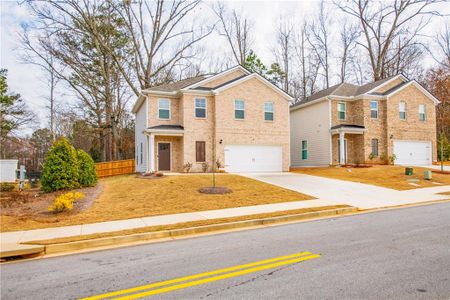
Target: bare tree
x: 162, y: 37
x: 348, y: 36
x: 283, y: 51
x: 80, y: 36
x: 319, y: 40
x: 236, y: 28
x: 36, y: 55
x: 383, y: 22
x: 442, y: 45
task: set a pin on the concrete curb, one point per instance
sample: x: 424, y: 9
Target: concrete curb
x: 142, y: 237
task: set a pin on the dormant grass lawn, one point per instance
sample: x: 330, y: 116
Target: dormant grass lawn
x: 385, y: 176
x: 184, y: 225
x: 125, y: 197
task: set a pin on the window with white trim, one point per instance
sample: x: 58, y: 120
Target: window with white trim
x: 422, y: 114
x: 341, y: 110
x: 200, y: 108
x: 304, y: 150
x: 374, y: 109
x: 239, y: 109
x: 164, y: 109
x: 268, y: 111
x: 402, y: 110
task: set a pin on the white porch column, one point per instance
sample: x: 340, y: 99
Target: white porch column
x: 341, y: 148
x: 151, y: 153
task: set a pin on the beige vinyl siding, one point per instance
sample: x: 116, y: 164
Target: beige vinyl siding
x: 141, y: 119
x: 311, y: 124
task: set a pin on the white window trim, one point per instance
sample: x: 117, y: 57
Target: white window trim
x: 424, y: 112
x: 234, y: 112
x: 345, y: 111
x: 170, y: 110
x: 399, y: 111
x: 273, y: 111
x: 307, y: 152
x: 377, y: 109
x: 195, y: 108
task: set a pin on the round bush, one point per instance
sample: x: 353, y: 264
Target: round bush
x: 87, y: 175
x: 61, y: 168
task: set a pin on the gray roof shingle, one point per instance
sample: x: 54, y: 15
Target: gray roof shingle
x: 178, y: 85
x: 346, y: 90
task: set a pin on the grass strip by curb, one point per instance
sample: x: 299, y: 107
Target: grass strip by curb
x: 157, y: 232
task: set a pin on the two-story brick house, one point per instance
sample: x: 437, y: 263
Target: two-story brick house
x: 390, y: 118
x: 235, y: 119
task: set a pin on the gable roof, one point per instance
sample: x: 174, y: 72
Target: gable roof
x: 195, y: 84
x: 175, y: 86
x: 350, y: 90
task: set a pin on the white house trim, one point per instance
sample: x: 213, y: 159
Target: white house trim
x: 420, y: 87
x: 259, y: 77
x: 387, y: 82
x: 208, y: 79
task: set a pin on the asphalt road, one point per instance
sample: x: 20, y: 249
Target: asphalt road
x: 396, y: 254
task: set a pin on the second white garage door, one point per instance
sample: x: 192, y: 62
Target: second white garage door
x: 246, y: 158
x: 412, y: 152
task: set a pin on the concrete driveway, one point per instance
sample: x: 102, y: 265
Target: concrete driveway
x: 360, y: 195
x: 436, y: 167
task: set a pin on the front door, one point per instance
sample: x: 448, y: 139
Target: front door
x: 345, y: 150
x: 164, y: 156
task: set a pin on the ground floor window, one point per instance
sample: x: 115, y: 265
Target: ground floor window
x: 304, y: 150
x: 375, y: 147
x: 200, y: 151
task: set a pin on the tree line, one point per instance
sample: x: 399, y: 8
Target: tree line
x: 103, y: 53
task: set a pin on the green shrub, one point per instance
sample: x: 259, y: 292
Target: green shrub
x: 87, y: 175
x: 61, y: 170
x: 7, y: 186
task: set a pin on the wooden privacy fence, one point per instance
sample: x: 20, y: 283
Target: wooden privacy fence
x: 112, y: 168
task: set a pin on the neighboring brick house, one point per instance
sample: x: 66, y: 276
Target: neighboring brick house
x: 236, y: 119
x: 368, y: 123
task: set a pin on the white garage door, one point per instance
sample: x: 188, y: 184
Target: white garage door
x: 412, y: 152
x: 246, y: 158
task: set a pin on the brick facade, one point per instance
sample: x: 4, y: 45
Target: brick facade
x: 253, y: 130
x: 388, y: 126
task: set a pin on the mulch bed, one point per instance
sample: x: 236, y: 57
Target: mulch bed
x: 156, y: 175
x: 34, y: 203
x: 218, y: 190
x: 357, y: 166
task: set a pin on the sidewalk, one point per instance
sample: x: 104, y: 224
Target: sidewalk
x: 16, y: 237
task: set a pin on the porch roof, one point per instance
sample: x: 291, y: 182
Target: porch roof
x: 174, y: 130
x: 348, y: 128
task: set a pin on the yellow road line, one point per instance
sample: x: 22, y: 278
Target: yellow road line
x: 196, y: 276
x: 216, y: 278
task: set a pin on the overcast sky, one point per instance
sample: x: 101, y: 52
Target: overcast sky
x: 29, y: 80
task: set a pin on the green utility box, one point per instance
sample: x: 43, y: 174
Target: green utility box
x: 427, y: 175
x: 409, y: 171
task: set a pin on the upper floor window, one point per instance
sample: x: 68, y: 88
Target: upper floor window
x: 341, y: 111
x: 268, y: 111
x: 402, y: 110
x: 304, y: 149
x: 374, y: 109
x: 200, y: 108
x: 422, y: 114
x: 164, y: 109
x: 239, y: 109
x: 375, y: 147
